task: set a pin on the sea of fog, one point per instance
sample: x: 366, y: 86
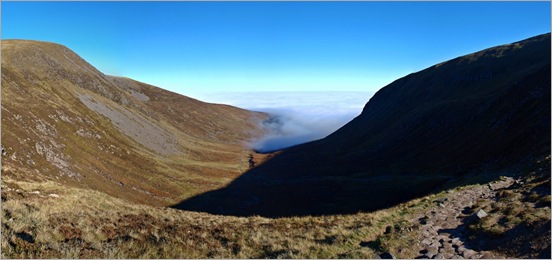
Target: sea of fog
x: 296, y: 117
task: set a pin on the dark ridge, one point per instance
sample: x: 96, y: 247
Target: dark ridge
x: 467, y: 119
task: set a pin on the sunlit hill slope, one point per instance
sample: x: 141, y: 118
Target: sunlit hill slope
x: 64, y: 120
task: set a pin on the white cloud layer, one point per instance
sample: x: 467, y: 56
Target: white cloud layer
x: 296, y: 117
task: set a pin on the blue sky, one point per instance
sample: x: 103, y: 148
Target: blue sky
x: 190, y: 47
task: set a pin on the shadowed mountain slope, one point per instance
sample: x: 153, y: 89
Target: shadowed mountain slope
x: 66, y: 121
x: 461, y: 120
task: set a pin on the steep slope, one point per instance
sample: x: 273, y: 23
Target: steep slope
x: 64, y: 120
x: 463, y: 120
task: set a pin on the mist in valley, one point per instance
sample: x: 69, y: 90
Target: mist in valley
x: 295, y: 117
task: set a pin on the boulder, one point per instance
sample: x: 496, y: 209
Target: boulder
x: 481, y: 214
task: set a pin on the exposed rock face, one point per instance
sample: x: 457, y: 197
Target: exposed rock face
x: 62, y: 119
x: 483, y: 112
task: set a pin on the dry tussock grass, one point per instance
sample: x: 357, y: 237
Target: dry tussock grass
x: 50, y: 220
x: 82, y: 223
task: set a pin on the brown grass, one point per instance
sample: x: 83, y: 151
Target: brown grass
x: 50, y: 134
x: 82, y: 223
x: 518, y: 221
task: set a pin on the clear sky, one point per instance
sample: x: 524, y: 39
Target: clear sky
x: 191, y: 47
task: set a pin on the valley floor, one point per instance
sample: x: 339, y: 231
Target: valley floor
x: 47, y: 220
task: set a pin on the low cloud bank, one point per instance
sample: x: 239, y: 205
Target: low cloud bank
x: 289, y: 127
x: 296, y: 117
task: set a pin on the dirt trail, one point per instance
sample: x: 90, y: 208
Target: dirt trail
x: 442, y: 233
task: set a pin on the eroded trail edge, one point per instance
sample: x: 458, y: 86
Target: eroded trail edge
x: 442, y: 232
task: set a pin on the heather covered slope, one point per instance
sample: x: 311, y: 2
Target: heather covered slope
x: 50, y: 220
x: 460, y: 121
x: 63, y: 120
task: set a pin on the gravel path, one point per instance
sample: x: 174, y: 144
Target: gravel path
x: 442, y: 233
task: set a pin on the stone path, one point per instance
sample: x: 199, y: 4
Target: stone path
x: 442, y: 233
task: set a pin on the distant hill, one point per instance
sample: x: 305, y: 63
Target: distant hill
x: 458, y: 121
x: 64, y: 120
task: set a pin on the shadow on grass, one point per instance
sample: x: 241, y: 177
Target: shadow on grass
x: 260, y: 193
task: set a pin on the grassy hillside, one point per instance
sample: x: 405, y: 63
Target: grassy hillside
x: 90, y: 163
x: 50, y: 220
x: 64, y: 121
x: 484, y: 112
